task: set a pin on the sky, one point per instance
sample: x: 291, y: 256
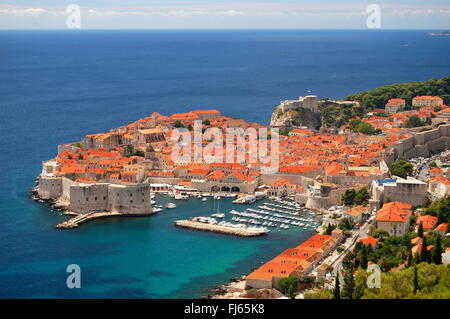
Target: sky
x: 225, y: 14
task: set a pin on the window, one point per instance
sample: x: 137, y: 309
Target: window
x: 87, y: 199
x: 131, y: 201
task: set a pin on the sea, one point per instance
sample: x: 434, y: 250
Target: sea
x: 57, y: 86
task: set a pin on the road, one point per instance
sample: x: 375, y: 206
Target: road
x: 350, y: 243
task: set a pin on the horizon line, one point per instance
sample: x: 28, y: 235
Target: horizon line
x: 222, y: 29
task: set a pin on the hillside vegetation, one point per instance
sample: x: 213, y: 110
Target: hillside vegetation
x: 378, y: 97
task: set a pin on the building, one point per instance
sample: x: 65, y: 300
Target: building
x: 409, y: 190
x: 416, y: 250
x: 439, y: 186
x: 282, y: 187
x: 370, y: 241
x: 441, y: 229
x: 445, y: 113
x: 446, y: 257
x: 356, y: 213
x: 420, y: 101
x: 296, y: 261
x: 427, y: 222
x: 207, y: 114
x: 394, y: 218
x: 395, y: 105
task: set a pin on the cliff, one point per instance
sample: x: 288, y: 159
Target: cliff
x: 295, y: 117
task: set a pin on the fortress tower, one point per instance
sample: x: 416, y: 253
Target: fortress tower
x: 306, y: 102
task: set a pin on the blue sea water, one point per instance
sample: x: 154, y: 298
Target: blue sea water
x: 57, y: 86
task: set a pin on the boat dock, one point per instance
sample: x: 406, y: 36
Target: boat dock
x: 82, y: 218
x: 222, y: 229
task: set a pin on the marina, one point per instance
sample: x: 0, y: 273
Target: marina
x: 261, y: 214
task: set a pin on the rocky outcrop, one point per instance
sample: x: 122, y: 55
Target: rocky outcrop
x: 295, y: 117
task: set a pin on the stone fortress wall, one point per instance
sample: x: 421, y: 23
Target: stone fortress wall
x: 307, y: 102
x: 83, y: 198
x: 420, y: 144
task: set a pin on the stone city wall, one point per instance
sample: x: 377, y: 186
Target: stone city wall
x: 420, y: 144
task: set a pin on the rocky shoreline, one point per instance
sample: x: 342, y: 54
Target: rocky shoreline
x: 232, y: 290
x: 237, y: 289
x: 56, y: 205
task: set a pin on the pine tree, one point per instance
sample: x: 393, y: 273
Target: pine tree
x: 349, y: 284
x: 416, y: 280
x: 337, y: 288
x: 329, y: 229
x: 436, y: 256
x: 420, y: 231
x: 410, y: 258
x: 424, y: 251
x: 363, y: 257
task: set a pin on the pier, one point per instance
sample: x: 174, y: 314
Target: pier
x: 82, y: 218
x: 241, y: 232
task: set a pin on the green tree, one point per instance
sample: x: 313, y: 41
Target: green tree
x: 436, y: 253
x: 337, y: 288
x: 289, y: 286
x: 424, y: 251
x: 441, y: 209
x: 410, y: 257
x: 401, y: 168
x: 420, y: 230
x: 349, y: 196
x: 362, y: 197
x: 380, y: 234
x: 330, y: 114
x: 354, y: 124
x: 329, y: 229
x: 366, y: 128
x: 416, y: 280
x: 363, y: 256
x: 346, y: 224
x: 178, y: 124
x: 349, y: 284
x: 426, y: 202
x: 414, y: 121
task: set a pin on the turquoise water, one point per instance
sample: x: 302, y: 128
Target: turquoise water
x: 57, y: 86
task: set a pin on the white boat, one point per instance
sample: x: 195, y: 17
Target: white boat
x: 152, y: 202
x: 170, y: 205
x: 156, y: 210
x: 204, y: 199
x: 218, y: 215
x: 178, y: 196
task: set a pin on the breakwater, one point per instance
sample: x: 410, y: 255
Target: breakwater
x: 227, y: 230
